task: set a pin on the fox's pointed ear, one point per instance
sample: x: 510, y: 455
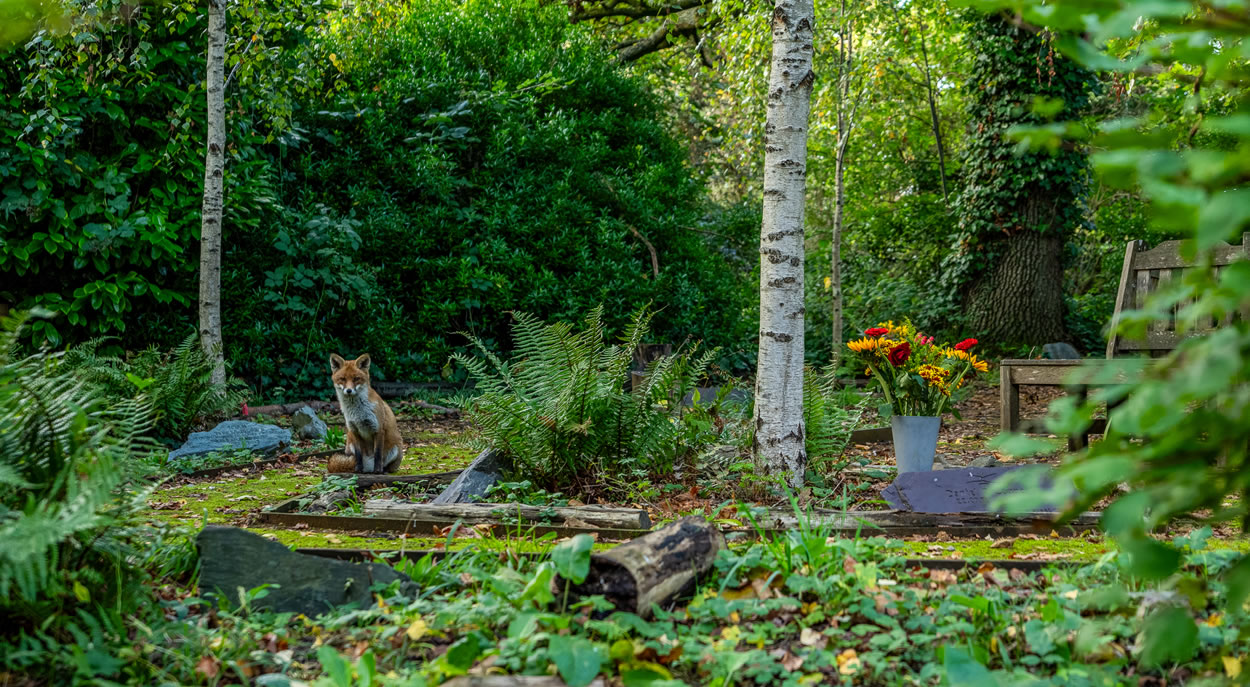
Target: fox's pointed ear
x: 363, y: 362
x: 336, y: 361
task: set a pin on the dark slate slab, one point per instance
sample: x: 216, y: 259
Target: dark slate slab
x: 231, y: 558
x: 471, y: 485
x: 959, y: 490
x: 1060, y: 351
x: 234, y: 434
x: 307, y: 425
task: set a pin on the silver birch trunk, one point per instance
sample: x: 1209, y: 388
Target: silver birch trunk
x: 214, y: 169
x: 779, y: 433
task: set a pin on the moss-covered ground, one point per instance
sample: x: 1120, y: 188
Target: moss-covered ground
x: 434, y: 446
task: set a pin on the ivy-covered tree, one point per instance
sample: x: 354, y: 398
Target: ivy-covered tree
x: 1018, y: 209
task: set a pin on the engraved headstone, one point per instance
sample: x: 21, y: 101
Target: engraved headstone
x: 961, y: 490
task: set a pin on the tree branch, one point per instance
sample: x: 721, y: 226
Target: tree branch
x: 637, y: 9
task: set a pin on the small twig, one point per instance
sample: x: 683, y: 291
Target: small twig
x: 655, y: 260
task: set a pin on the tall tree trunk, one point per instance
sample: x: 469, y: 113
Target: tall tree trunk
x: 933, y: 117
x: 1020, y: 298
x: 845, y: 122
x: 214, y: 168
x: 779, y: 432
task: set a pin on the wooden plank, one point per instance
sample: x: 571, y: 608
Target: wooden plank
x: 1167, y: 255
x: 475, y: 513
x: 957, y: 564
x: 1124, y: 295
x: 513, y: 681
x: 1042, y: 375
x: 866, y: 523
x: 785, y: 519
x: 1154, y: 341
x: 1167, y: 324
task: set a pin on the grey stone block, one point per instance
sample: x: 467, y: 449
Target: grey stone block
x: 234, y: 434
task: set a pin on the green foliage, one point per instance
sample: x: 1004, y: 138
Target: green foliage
x: 69, y: 540
x: 827, y: 422
x: 1179, y: 430
x: 394, y: 173
x: 562, y: 411
x: 177, y: 386
x: 1017, y: 79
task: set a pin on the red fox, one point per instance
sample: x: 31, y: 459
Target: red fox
x: 373, y: 440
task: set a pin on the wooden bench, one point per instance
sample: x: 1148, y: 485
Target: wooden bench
x: 1144, y: 272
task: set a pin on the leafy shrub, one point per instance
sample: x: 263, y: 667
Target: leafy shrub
x: 1178, y: 432
x: 176, y: 386
x: 396, y: 172
x: 561, y: 409
x: 69, y: 544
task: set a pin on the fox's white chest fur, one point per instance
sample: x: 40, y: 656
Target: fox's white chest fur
x: 360, y: 413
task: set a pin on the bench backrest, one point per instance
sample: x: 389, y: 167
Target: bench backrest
x: 1143, y: 273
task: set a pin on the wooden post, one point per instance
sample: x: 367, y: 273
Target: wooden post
x: 475, y: 513
x: 1009, y: 400
x: 654, y: 568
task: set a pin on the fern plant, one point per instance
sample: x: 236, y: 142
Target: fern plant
x: 67, y: 527
x: 827, y: 420
x: 176, y: 385
x: 564, y: 412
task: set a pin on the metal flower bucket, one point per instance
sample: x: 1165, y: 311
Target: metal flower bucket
x: 915, y: 441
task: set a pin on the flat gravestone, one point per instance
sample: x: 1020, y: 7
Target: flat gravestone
x: 959, y: 490
x: 232, y: 558
x: 234, y: 434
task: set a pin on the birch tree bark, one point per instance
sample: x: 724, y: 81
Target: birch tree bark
x: 779, y: 432
x: 214, y: 169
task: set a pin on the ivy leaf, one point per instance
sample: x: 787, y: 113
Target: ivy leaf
x: 577, y: 659
x: 572, y: 558
x: 962, y: 670
x: 1169, y: 635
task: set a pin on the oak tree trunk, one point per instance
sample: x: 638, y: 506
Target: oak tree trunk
x: 214, y: 168
x: 779, y: 432
x: 1021, y: 297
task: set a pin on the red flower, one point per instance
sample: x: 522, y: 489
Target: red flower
x: 876, y: 331
x: 900, y: 353
x: 965, y: 344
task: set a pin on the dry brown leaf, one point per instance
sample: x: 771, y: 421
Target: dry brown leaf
x: 208, y: 666
x: 791, y: 662
x: 1005, y: 543
x: 848, y: 565
x: 942, y: 577
x: 762, y: 591
x: 812, y: 638
x: 577, y: 522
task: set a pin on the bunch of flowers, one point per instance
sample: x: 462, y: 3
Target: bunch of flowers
x: 917, y: 376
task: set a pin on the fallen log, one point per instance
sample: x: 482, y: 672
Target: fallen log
x: 654, y: 568
x: 475, y: 513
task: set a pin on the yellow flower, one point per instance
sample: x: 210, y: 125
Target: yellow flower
x: 867, y: 345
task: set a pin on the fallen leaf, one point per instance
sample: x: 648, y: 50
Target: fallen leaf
x: 810, y: 637
x: 762, y: 590
x: 791, y: 662
x: 1232, y: 666
x: 208, y: 666
x: 848, y: 565
x: 576, y: 522
x: 848, y: 662
x: 1006, y: 543
x: 985, y: 568
x: 942, y: 577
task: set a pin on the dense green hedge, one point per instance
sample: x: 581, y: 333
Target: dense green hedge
x: 398, y: 173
